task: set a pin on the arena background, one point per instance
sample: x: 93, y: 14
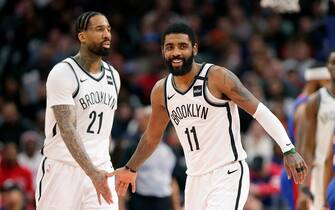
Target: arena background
x: 267, y: 50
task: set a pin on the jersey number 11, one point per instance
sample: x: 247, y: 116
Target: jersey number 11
x: 187, y: 132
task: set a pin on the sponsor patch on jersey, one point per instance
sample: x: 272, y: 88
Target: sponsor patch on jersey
x: 109, y: 80
x: 197, y: 90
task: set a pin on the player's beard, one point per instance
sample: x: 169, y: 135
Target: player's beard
x: 184, y: 69
x: 99, y: 50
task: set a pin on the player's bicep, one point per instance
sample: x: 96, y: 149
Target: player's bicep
x: 232, y: 87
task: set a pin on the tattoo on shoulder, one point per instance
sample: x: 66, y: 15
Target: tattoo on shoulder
x: 237, y: 87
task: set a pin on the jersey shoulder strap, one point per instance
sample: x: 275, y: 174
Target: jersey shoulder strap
x: 71, y: 64
x: 111, y: 80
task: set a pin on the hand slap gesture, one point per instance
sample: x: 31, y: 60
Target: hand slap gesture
x: 100, y: 182
x: 124, y: 177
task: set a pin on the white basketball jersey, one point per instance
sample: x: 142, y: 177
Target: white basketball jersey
x: 324, y: 130
x: 208, y: 128
x: 95, y: 102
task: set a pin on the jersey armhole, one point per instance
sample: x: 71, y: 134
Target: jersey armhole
x: 165, y: 95
x: 111, y: 71
x: 222, y: 103
x: 74, y: 94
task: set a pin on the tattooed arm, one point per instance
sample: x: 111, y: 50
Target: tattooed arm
x: 66, y: 120
x: 223, y: 82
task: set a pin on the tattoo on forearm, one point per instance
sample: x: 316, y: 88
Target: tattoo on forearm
x: 66, y: 121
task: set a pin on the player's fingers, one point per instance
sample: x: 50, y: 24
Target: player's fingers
x: 296, y: 174
x: 300, y: 175
x: 288, y: 172
x: 108, y: 195
x: 123, y: 189
x: 110, y: 174
x: 303, y: 172
x: 99, y: 198
x: 117, y: 186
x: 133, y: 186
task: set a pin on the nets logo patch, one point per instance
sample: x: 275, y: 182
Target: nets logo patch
x: 197, y: 91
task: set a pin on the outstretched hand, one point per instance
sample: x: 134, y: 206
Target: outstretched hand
x: 124, y: 177
x: 100, y: 182
x: 295, y: 167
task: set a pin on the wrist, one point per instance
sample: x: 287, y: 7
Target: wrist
x: 290, y: 152
x: 130, y: 169
x: 92, y: 172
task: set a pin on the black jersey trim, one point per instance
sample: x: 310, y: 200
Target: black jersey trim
x: 330, y: 93
x: 216, y: 104
x: 194, y: 80
x: 74, y: 94
x: 239, y: 187
x: 111, y: 71
x: 88, y: 74
x: 40, y: 183
x: 42, y: 150
x: 54, y: 130
x: 165, y: 95
x: 232, y: 140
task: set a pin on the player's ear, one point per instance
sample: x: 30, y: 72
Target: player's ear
x: 81, y: 36
x: 195, y: 49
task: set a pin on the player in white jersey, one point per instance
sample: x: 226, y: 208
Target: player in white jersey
x: 201, y: 101
x: 81, y: 100
x: 319, y: 124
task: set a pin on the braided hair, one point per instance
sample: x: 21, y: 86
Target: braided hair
x: 83, y: 20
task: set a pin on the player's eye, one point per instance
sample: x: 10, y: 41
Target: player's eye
x: 168, y: 47
x: 183, y: 46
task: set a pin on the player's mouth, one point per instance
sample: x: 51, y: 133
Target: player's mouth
x: 177, y: 62
x: 106, y: 44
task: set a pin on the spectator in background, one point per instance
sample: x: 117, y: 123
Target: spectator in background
x: 156, y: 187
x: 13, y: 124
x: 253, y: 203
x: 180, y: 168
x: 264, y: 181
x: 13, y: 198
x: 257, y: 143
x: 10, y: 169
x: 30, y: 155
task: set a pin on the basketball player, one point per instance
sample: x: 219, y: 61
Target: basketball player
x: 81, y: 100
x: 315, y: 78
x: 330, y: 177
x: 318, y: 128
x: 201, y: 101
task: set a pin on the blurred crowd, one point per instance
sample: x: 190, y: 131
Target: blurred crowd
x: 268, y: 51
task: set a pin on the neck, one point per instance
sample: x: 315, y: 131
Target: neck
x: 89, y: 61
x: 332, y: 87
x: 187, y: 79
